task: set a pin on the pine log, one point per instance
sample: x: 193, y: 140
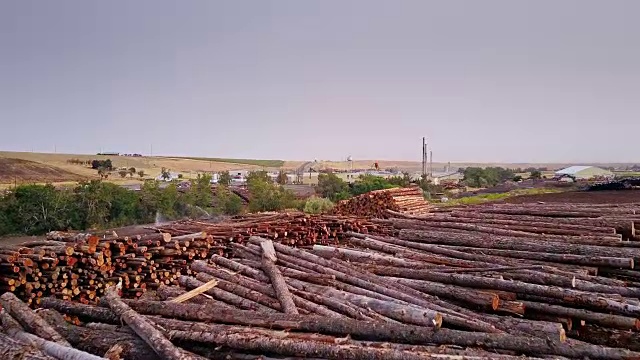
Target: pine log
x: 352, y: 255
x: 498, y: 242
x: 99, y: 341
x: 11, y: 349
x: 169, y: 292
x: 522, y: 224
x: 280, y: 343
x: 225, y: 296
x: 53, y: 349
x: 342, y: 308
x: 380, y: 285
x: 579, y: 298
x: 269, y: 259
x: 29, y: 319
x: 242, y: 291
x: 144, y: 329
x: 240, y: 280
x: 470, y: 296
x: 608, y: 320
x: 607, y: 337
x: 86, y: 312
x: 600, y: 261
x: 463, y: 228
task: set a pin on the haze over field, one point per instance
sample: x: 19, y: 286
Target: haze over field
x: 535, y: 81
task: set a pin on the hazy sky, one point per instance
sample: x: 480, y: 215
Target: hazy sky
x: 511, y: 80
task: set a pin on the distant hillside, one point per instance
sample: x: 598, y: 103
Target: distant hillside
x: 30, y: 171
x: 255, y: 162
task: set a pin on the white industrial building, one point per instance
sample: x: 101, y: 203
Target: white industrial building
x: 584, y: 172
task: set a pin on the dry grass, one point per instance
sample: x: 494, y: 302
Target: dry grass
x: 152, y: 166
x: 19, y: 171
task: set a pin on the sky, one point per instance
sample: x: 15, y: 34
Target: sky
x: 484, y: 81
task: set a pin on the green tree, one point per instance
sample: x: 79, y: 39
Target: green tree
x: 199, y: 193
x: 123, y: 173
x: 165, y: 174
x: 261, y: 175
x: 535, y: 174
x: 402, y: 181
x: 332, y: 187
x: 282, y: 178
x: 36, y: 209
x: 141, y: 173
x: 267, y: 196
x: 491, y: 176
x: 227, y: 202
x: 132, y: 171
x: 316, y: 205
x: 367, y: 183
x: 224, y: 178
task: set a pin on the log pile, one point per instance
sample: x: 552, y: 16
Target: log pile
x: 350, y: 304
x: 408, y: 201
x: 80, y: 267
x: 485, y: 282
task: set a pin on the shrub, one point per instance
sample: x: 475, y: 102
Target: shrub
x: 227, y: 202
x: 332, y: 187
x: 224, y: 178
x: 267, y: 196
x: 316, y: 205
x: 366, y: 183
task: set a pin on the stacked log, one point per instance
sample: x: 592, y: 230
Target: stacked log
x: 80, y: 267
x: 357, y: 314
x: 408, y: 201
x: 491, y: 281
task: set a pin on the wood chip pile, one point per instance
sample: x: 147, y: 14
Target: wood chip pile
x: 484, y: 282
x: 408, y: 201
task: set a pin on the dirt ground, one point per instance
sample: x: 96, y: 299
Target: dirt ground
x: 591, y: 197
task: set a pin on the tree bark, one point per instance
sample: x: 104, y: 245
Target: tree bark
x: 169, y: 292
x: 574, y: 297
x: 53, y: 349
x: 29, y: 319
x: 242, y: 291
x: 418, y: 238
x: 485, y: 300
x: 11, y: 349
x: 225, y: 296
x: 374, y: 283
x: 278, y: 342
x: 99, y: 341
x: 608, y: 320
x: 84, y: 312
x: 269, y: 260
x: 586, y: 260
x: 145, y: 329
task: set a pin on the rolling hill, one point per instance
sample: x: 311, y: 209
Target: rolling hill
x: 20, y: 171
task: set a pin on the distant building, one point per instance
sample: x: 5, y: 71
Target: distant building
x: 584, y: 173
x: 447, y: 177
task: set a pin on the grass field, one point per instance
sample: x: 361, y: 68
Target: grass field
x: 254, y: 162
x: 486, y: 198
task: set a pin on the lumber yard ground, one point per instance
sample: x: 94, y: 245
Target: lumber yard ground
x: 541, y: 279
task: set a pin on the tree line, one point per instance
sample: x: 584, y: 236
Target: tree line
x: 37, y: 209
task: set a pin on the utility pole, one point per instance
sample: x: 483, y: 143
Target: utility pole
x: 431, y: 164
x: 424, y: 156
